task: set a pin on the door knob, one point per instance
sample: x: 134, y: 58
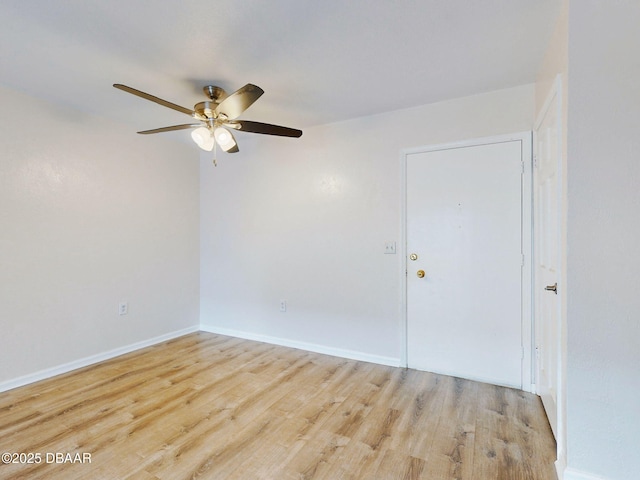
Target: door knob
x: 552, y: 288
x: 420, y: 273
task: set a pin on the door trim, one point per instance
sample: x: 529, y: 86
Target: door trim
x: 527, y: 207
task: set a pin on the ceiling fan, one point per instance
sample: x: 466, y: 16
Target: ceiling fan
x: 217, y: 117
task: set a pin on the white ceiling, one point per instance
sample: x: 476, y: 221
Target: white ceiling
x: 318, y: 61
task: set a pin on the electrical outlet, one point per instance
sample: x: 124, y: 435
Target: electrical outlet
x: 283, y: 305
x: 390, y: 248
x: 123, y: 308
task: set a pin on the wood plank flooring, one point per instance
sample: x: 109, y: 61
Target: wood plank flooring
x: 207, y: 406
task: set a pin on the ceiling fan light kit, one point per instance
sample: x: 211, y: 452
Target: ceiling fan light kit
x: 217, y: 116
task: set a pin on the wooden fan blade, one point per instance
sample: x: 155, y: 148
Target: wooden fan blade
x: 236, y: 103
x: 170, y: 129
x: 264, y: 128
x: 153, y: 98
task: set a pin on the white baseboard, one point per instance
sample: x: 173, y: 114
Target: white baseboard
x: 84, y: 362
x: 561, y: 465
x: 573, y: 474
x: 311, y: 347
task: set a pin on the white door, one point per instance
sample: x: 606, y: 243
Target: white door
x: 547, y: 257
x: 464, y: 231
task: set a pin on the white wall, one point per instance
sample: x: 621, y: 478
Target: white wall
x: 306, y: 220
x: 603, y: 264
x: 90, y: 215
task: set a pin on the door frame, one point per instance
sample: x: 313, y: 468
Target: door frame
x: 525, y: 138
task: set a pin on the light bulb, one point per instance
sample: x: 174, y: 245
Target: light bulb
x: 223, y: 137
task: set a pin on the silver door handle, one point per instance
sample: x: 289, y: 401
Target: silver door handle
x: 552, y: 288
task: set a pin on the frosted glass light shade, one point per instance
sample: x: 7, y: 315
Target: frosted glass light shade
x: 203, y: 138
x: 224, y: 138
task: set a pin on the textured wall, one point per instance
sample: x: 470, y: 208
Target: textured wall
x: 90, y: 215
x: 603, y: 264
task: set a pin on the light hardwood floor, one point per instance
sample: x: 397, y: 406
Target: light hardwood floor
x: 207, y: 406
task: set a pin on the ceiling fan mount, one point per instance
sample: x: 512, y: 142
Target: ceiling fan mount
x: 217, y: 117
x: 216, y: 94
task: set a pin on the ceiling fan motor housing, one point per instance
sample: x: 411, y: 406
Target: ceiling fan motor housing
x: 205, y: 109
